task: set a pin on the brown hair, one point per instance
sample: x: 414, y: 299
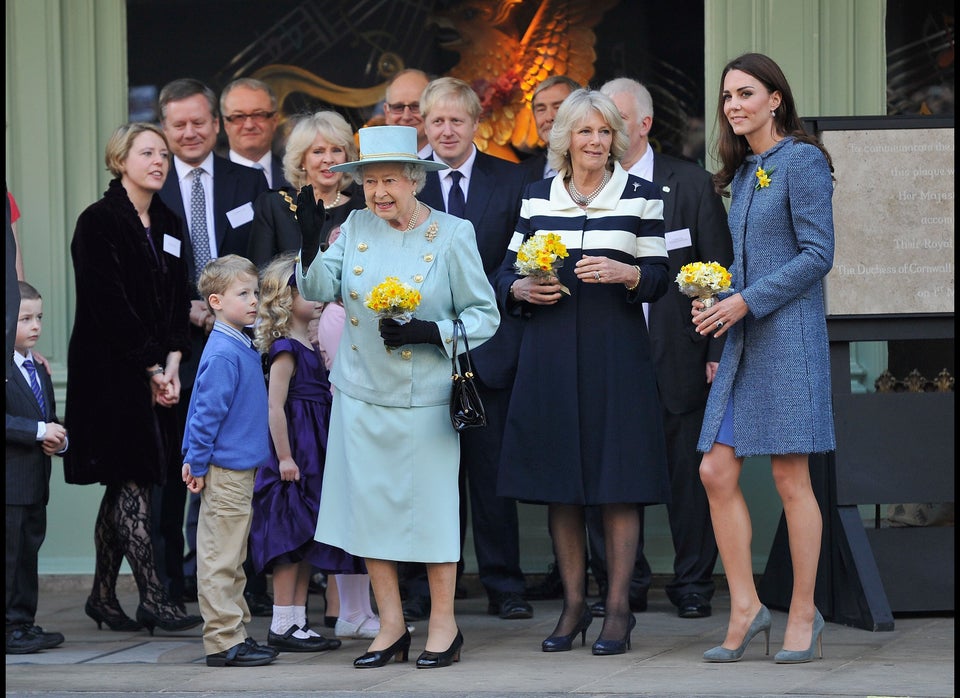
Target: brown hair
x: 219, y: 273
x: 730, y: 149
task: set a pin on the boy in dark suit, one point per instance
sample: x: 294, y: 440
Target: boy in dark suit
x: 34, y: 434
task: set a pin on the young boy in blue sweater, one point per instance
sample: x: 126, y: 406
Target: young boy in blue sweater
x: 226, y: 439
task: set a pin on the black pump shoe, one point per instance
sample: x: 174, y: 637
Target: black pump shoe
x: 433, y: 660
x: 165, y: 621
x: 564, y: 643
x: 378, y: 658
x: 115, y: 618
x: 602, y: 647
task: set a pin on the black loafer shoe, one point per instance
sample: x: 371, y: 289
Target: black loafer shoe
x: 260, y: 605
x: 416, y: 608
x: 510, y: 606
x: 288, y: 643
x: 21, y: 641
x: 638, y: 601
x: 49, y: 640
x: 242, y: 654
x: 693, y: 606
x: 257, y: 646
x: 550, y: 588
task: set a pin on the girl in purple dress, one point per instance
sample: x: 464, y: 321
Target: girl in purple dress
x: 286, y: 497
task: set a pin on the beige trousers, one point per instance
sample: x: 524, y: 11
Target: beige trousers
x: 222, y: 529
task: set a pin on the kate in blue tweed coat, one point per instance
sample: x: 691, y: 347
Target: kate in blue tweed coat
x: 772, y: 392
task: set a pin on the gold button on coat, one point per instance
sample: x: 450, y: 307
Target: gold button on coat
x: 418, y: 278
x: 406, y: 354
x: 354, y: 321
x: 357, y: 271
x: 428, y: 258
x: 354, y: 295
x: 362, y: 247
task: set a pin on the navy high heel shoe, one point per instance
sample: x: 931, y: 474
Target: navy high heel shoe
x: 433, y: 660
x: 761, y: 623
x: 399, y: 649
x: 602, y: 647
x: 564, y: 643
x: 802, y: 656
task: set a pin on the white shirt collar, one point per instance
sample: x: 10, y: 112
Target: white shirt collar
x: 19, y: 358
x: 184, y: 170
x: 643, y: 167
x: 466, y: 169
x: 265, y: 163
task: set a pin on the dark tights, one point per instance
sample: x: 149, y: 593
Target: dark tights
x: 123, y: 530
x: 621, y: 527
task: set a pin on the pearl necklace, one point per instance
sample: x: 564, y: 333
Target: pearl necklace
x: 335, y: 201
x: 581, y: 200
x: 413, y: 218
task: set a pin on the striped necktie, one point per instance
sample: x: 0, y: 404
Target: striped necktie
x: 35, y: 385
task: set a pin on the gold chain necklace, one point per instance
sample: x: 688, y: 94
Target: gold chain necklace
x: 413, y: 218
x: 582, y: 200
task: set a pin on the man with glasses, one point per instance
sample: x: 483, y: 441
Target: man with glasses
x: 401, y: 106
x: 250, y: 118
x: 214, y: 198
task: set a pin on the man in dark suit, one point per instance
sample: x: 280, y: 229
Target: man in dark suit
x: 546, y: 100
x: 250, y: 118
x: 696, y: 225
x: 486, y: 191
x: 217, y: 212
x: 34, y: 434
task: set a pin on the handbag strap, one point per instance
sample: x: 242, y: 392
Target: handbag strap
x: 458, y: 329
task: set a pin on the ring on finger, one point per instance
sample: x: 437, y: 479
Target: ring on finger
x: 719, y: 324
x: 597, y: 275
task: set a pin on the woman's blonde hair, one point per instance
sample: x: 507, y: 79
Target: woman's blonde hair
x: 121, y: 141
x: 334, y: 129
x: 276, y: 301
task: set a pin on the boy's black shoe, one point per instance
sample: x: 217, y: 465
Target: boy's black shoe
x: 27, y: 639
x: 242, y: 654
x: 509, y: 606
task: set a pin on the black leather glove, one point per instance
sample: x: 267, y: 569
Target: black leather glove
x: 310, y: 220
x: 414, y: 332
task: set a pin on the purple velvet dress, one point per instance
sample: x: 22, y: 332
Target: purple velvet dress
x: 285, y: 513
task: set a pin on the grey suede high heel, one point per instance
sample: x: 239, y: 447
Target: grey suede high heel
x: 761, y: 623
x: 803, y: 656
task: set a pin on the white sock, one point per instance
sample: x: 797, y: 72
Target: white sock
x: 354, y: 597
x: 282, y: 619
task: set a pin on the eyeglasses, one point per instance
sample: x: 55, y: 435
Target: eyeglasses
x: 398, y: 107
x: 258, y: 117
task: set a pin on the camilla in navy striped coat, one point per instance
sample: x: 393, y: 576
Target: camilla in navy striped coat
x: 584, y: 426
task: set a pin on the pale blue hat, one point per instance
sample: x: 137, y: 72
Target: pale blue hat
x: 394, y: 144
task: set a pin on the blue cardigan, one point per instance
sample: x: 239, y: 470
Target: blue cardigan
x: 227, y: 420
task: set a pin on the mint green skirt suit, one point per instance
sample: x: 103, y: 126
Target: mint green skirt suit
x: 390, y: 481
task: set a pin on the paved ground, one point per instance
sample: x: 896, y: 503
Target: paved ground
x: 500, y: 658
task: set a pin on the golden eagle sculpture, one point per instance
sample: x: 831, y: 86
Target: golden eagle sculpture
x: 504, y: 61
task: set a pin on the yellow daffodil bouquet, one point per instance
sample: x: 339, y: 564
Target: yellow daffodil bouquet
x: 393, y: 299
x: 541, y: 255
x: 703, y: 280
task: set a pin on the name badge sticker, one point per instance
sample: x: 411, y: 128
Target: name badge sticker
x: 171, y: 245
x: 676, y: 239
x: 241, y: 215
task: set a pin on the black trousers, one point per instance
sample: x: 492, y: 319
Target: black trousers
x: 26, y: 528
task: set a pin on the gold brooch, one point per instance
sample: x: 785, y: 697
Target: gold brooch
x: 286, y: 196
x: 431, y: 233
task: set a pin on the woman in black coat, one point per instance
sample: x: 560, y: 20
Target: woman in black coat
x: 129, y: 335
x: 315, y: 144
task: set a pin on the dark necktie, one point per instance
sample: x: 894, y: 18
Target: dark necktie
x: 198, y: 224
x: 456, y: 206
x: 35, y: 386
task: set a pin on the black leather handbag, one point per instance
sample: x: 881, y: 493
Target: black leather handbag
x: 466, y: 409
